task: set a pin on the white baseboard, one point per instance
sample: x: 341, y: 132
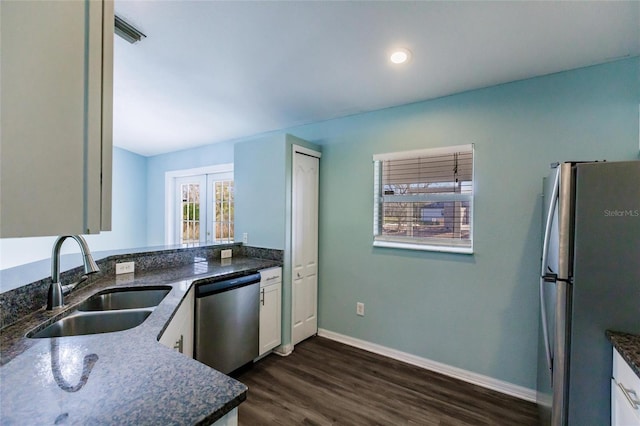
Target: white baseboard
x: 455, y: 372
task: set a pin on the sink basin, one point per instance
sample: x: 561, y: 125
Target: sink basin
x: 82, y: 323
x: 112, y: 310
x: 128, y: 298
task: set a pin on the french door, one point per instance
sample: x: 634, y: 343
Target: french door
x: 204, y: 207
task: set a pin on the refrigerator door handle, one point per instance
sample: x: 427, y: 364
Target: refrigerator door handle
x: 545, y: 331
x: 545, y: 277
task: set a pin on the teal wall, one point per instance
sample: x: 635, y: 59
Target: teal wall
x: 158, y: 165
x: 259, y: 180
x: 477, y: 312
x: 129, y: 217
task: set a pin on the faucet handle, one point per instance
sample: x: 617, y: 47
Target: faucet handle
x: 66, y: 289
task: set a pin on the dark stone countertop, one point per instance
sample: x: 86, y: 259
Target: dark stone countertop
x: 629, y: 347
x: 134, y: 378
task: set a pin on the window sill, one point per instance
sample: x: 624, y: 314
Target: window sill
x: 423, y: 247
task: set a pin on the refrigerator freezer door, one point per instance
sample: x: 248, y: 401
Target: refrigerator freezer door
x: 565, y: 224
x: 606, y: 281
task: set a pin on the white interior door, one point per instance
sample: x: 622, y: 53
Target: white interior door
x: 304, y: 246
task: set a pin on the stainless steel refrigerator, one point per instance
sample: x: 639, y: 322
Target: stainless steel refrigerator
x: 590, y: 282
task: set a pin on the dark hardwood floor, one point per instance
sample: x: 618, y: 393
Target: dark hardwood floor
x: 324, y: 382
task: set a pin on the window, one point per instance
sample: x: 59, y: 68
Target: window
x: 200, y: 205
x: 423, y: 199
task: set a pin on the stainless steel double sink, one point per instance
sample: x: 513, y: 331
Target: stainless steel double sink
x: 110, y: 310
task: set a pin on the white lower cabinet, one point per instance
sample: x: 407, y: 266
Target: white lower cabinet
x: 625, y: 394
x: 229, y: 419
x: 179, y: 333
x: 270, y: 309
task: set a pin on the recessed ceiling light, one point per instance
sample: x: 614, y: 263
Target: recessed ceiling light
x: 400, y: 56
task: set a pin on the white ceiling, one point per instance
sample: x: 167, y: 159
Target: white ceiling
x: 211, y: 71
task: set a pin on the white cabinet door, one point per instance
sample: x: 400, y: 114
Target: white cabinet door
x: 625, y: 394
x: 56, y: 112
x: 622, y: 414
x: 229, y: 419
x: 179, y: 333
x: 304, y: 281
x: 270, y: 317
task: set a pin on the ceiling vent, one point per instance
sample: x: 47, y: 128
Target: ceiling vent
x: 127, y: 31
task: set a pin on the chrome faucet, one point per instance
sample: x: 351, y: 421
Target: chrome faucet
x: 55, y: 298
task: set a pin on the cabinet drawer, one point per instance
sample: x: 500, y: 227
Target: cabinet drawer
x: 270, y: 276
x: 625, y: 393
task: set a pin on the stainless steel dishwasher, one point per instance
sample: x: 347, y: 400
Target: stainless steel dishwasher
x: 227, y: 318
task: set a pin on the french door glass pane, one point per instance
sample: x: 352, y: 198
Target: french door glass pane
x: 190, y: 221
x: 223, y: 207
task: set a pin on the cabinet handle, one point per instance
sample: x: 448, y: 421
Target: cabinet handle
x: 262, y: 296
x: 635, y: 403
x: 179, y: 344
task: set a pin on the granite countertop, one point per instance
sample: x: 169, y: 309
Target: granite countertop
x: 629, y: 347
x: 124, y: 377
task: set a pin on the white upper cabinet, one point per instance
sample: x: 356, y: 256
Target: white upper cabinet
x: 56, y: 105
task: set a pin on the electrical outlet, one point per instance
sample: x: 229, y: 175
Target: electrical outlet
x: 360, y: 309
x: 245, y: 238
x: 125, y: 268
x: 225, y: 254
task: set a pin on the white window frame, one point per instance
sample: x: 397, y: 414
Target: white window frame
x: 171, y: 210
x: 427, y: 244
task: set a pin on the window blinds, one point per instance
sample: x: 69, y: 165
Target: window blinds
x: 423, y: 199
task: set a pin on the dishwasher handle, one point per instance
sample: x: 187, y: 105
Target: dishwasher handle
x: 208, y: 289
